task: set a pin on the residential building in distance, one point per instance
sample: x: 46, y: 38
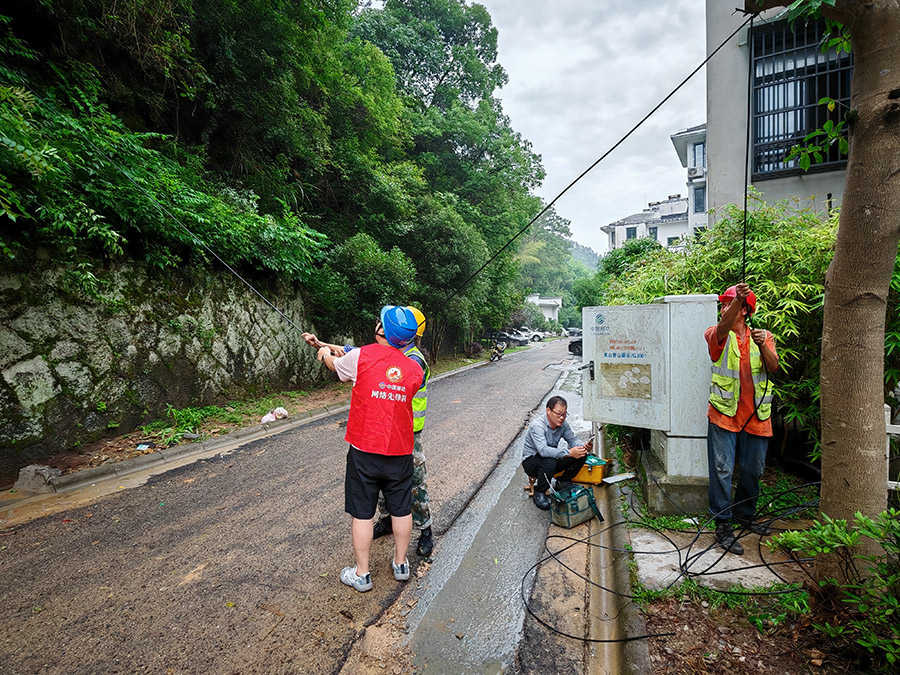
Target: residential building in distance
x: 690, y: 144
x: 549, y: 306
x: 665, y: 221
x: 791, y: 74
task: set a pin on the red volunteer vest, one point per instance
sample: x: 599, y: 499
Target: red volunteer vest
x: 381, y: 417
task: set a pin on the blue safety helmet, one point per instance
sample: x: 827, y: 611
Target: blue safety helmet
x: 399, y: 325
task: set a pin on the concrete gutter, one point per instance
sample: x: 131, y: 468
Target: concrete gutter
x: 613, y: 617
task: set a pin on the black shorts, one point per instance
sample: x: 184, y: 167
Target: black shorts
x: 368, y: 474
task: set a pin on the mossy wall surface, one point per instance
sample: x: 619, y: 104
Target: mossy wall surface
x: 85, y: 355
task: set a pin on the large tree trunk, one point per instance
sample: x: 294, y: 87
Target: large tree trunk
x: 854, y: 471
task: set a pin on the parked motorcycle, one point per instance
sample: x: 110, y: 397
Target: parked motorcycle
x: 497, y: 350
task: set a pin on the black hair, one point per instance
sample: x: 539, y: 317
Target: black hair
x: 556, y: 400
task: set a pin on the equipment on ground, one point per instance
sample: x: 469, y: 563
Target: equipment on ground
x: 592, y: 471
x: 572, y: 505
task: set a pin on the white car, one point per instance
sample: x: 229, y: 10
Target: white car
x: 531, y: 335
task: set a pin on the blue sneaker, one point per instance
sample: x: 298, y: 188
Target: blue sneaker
x: 352, y: 579
x: 401, y: 571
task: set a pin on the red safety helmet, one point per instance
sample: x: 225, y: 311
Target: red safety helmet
x: 731, y: 293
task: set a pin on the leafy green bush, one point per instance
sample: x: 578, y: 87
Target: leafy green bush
x: 869, y: 613
x: 788, y: 252
x: 91, y: 187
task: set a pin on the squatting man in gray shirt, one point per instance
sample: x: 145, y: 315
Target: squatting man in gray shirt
x: 541, y: 456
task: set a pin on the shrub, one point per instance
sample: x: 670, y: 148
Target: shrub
x: 788, y: 252
x: 474, y: 350
x: 869, y: 610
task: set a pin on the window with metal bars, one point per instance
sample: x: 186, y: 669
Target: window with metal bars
x: 791, y: 75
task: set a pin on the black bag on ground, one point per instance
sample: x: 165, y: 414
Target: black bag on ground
x: 572, y: 505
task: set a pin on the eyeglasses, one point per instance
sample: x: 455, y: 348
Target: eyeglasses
x: 559, y: 414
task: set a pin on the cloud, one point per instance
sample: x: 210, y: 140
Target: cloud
x: 580, y: 76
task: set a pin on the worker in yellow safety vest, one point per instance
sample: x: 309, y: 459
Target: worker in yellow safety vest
x: 740, y: 411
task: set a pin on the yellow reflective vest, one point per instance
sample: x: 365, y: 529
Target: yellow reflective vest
x: 420, y: 400
x: 725, y: 389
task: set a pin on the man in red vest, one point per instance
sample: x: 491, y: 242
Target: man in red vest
x: 380, y: 433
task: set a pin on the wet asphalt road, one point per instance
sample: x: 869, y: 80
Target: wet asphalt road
x: 230, y: 565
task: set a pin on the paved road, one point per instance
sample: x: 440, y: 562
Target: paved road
x: 230, y: 565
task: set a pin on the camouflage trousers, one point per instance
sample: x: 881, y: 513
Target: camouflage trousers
x: 420, y: 512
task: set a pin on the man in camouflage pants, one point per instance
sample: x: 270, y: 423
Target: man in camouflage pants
x: 421, y: 512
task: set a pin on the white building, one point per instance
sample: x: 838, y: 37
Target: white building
x: 690, y: 144
x: 664, y: 221
x: 790, y: 75
x: 549, y: 306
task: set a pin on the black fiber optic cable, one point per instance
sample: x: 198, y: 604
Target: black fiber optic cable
x: 592, y: 166
x: 175, y: 219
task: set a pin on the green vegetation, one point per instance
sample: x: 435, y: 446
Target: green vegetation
x: 194, y: 420
x: 865, y: 610
x: 766, y: 607
x: 359, y: 155
x: 789, y: 250
x: 787, y: 497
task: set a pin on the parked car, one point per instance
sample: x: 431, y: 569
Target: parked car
x: 574, y: 330
x: 531, y: 335
x: 575, y: 346
x: 511, y: 339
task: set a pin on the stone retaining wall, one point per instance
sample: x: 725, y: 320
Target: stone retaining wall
x: 80, y: 359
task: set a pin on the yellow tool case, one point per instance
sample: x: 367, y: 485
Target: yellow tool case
x: 592, y: 471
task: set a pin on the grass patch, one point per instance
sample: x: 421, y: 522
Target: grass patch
x: 766, y: 607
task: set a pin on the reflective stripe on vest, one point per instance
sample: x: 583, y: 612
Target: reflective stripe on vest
x: 420, y: 400
x: 725, y: 387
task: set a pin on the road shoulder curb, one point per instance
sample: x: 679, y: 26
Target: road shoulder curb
x: 85, y: 477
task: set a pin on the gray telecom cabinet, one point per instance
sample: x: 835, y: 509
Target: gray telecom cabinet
x: 650, y: 369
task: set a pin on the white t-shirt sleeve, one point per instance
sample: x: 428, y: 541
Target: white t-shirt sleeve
x: 347, y: 366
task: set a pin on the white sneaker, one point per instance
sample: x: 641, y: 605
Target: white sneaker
x: 360, y: 583
x: 401, y: 571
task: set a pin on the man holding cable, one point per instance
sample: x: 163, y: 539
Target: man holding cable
x: 380, y: 433
x: 740, y: 410
x: 421, y: 510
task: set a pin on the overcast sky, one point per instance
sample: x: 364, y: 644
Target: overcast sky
x: 581, y: 74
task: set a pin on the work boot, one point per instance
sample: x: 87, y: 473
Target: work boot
x: 426, y: 543
x: 756, y: 527
x: 726, y: 539
x: 541, y: 500
x: 382, y: 527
